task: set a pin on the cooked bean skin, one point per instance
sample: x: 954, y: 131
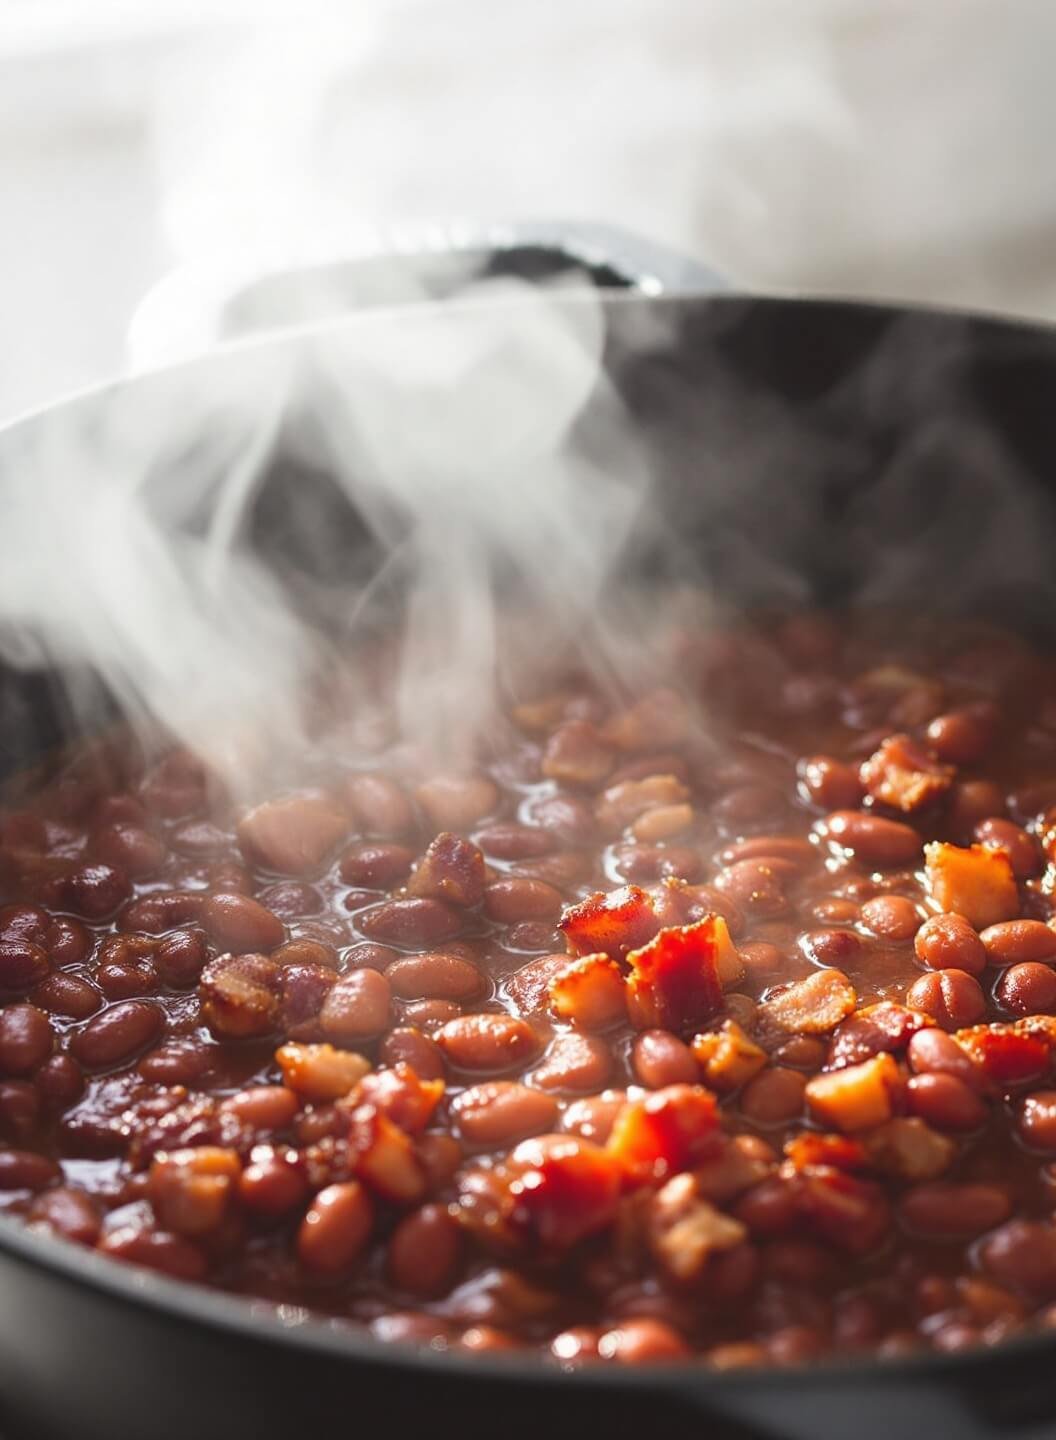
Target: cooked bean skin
x: 361, y: 1036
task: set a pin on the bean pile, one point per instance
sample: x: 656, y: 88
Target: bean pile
x: 711, y: 1019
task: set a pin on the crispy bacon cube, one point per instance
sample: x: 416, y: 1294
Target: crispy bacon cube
x: 857, y: 1097
x: 676, y: 979
x: 452, y: 869
x: 727, y: 1057
x: 684, y: 1229
x: 610, y: 923
x: 589, y: 991
x: 384, y: 1158
x: 813, y: 1005
x: 670, y: 1130
x: 840, y: 1151
x: 975, y: 882
x: 904, y: 776
x: 909, y: 1149
x: 561, y: 1189
x: 400, y: 1093
x: 1008, y: 1053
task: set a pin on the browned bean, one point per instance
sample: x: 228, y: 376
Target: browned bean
x: 162, y: 911
x: 791, y: 848
x: 962, y: 737
x: 949, y: 942
x: 511, y: 900
x: 873, y: 840
x: 129, y: 848
x: 22, y: 964
x: 240, y: 924
x: 757, y: 884
x: 336, y: 1228
x: 67, y: 1212
x: 946, y: 1210
x: 934, y: 1051
x: 303, y: 990
x: 1037, y: 1120
x: 501, y: 1112
x: 272, y: 1185
x: 424, y: 1252
x: 96, y: 892
x: 829, y: 784
x: 642, y: 1341
x: 760, y: 959
x: 440, y: 1156
x: 357, y: 1007
x: 241, y: 995
x: 25, y: 1170
x: 1022, y: 849
x: 1013, y: 941
x: 124, y: 979
x: 191, y: 1190
x: 831, y: 948
x: 407, y: 1044
x: 891, y: 917
x: 66, y: 941
x: 180, y: 957
x: 594, y: 1117
x: 642, y: 863
x: 1021, y: 1254
x: 63, y: 994
x: 952, y: 998
x: 365, y: 956
x: 487, y: 1042
x: 375, y: 864
x: 19, y: 1109
x: 117, y: 1034
x: 970, y: 801
x: 435, y: 975
x: 291, y: 900
x: 945, y: 1101
x: 802, y: 1052
x: 59, y: 1082
x: 1027, y: 989
x: 379, y: 805
x: 660, y: 1058
x: 835, y: 911
x: 172, y: 1255
x: 457, y: 802
x: 26, y: 1039
x: 410, y: 922
x: 429, y: 1015
x: 509, y: 841
x: 774, y: 1096
x: 181, y: 1062
x: 263, y: 1108
x: 568, y: 817
x: 574, y: 1062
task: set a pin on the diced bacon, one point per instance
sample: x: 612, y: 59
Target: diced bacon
x: 1008, y: 1054
x: 400, y: 1093
x: 843, y: 1209
x: 808, y: 1149
x: 874, y: 1029
x: 561, y: 1189
x: 909, y: 1149
x: 857, y: 1097
x: 452, y: 869
x: 610, y: 923
x: 727, y: 1056
x: 684, y: 1229
x: 384, y: 1157
x: 670, y: 1130
x: 320, y: 1072
x: 676, y: 979
x: 813, y: 1005
x: 975, y: 882
x: 589, y: 991
x: 904, y: 776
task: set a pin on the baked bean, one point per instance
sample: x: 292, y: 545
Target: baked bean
x: 574, y: 1062
x: 594, y: 1117
x: 365, y: 956
x: 934, y: 1051
x: 835, y: 911
x: 429, y: 1015
x: 946, y: 1210
x: 773, y: 1097
x: 945, y: 1101
x: 757, y: 884
x: 191, y: 1190
x: 802, y: 1052
x: 642, y: 863
x: 1021, y: 1254
x: 436, y: 975
x: 829, y: 784
x: 22, y: 964
x: 171, y: 1255
x: 952, y: 998
x: 124, y: 979
x: 642, y: 1341
x: 180, y: 1062
x: 25, y: 1170
x: 501, y: 1112
x: 357, y: 1007
x: 410, y: 922
x: 1036, y: 1118
x: 660, y: 1058
x: 303, y: 990
x: 336, y: 1228
x: 511, y: 900
x: 424, y: 1252
x: 1027, y: 989
x: 760, y: 959
x: 19, y: 1109
x: 240, y: 924
x: 263, y: 1108
x: 830, y: 948
x: 1022, y: 849
x: 26, y: 1039
x: 241, y: 995
x: 968, y: 802
x: 63, y: 994
x: 891, y: 917
x: 457, y: 802
x: 117, y: 1034
x: 66, y: 941
x: 130, y: 848
x: 180, y: 957
x: 291, y: 899
x: 376, y: 865
x: 440, y: 1156
x: 272, y: 1186
x: 59, y: 1082
x: 962, y: 737
x: 407, y: 1044
x: 1013, y: 941
x: 379, y: 805
x: 69, y: 1213
x: 514, y: 842
x: 871, y: 839
x: 487, y: 1042
x: 96, y: 892
x: 227, y: 875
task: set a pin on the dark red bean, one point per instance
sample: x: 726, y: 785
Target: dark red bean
x: 660, y: 1058
x: 180, y: 957
x: 117, y: 1034
x: 945, y: 1101
x: 945, y: 1210
x: 171, y: 1255
x: 949, y: 942
x: 514, y: 842
x: 1022, y: 1256
x: 407, y: 1044
x: 59, y: 1082
x: 26, y: 1039
x: 511, y: 900
x: 96, y: 892
x: 66, y: 941
x: 129, y: 848
x: 932, y: 1051
x: 291, y: 899
x: 1037, y: 1120
x: 67, y: 1212
x: 830, y: 784
x: 25, y: 1170
x: 336, y: 1228
x: 962, y: 737
x: 272, y: 1186
x: 19, y: 1109
x: 1013, y: 941
x: 774, y: 1096
x: 376, y: 865
x: 356, y: 1008
x: 181, y: 1062
x: 831, y: 948
x: 873, y: 840
x: 434, y: 975
x: 161, y: 911
x: 410, y: 922
x: 63, y: 994
x: 424, y: 1252
x: 22, y: 964
x: 891, y: 917
x: 240, y: 924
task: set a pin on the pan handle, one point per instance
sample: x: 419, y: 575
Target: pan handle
x: 198, y: 306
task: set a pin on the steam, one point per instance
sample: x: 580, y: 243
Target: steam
x: 480, y: 451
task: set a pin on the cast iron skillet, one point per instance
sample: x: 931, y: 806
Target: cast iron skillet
x: 832, y: 450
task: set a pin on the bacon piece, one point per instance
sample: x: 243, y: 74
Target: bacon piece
x: 452, y: 869
x: 320, y: 1072
x: 813, y: 1005
x: 872, y: 1030
x: 857, y: 1097
x: 975, y: 882
x: 589, y: 991
x: 561, y: 1189
x: 384, y: 1157
x: 727, y: 1056
x: 677, y: 978
x: 684, y: 1229
x: 401, y: 1094
x: 1009, y: 1053
x: 904, y: 776
x: 670, y: 1130
x: 807, y: 1149
x: 842, y: 1209
x: 610, y: 923
x: 909, y: 1149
